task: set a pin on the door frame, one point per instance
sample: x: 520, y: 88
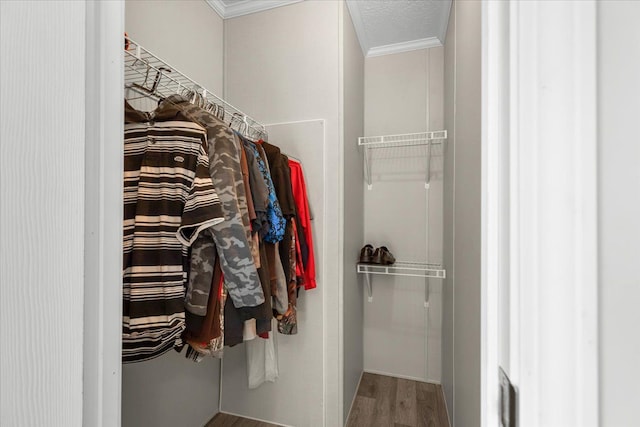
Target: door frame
x: 539, y: 210
x: 102, y: 335
x: 102, y: 368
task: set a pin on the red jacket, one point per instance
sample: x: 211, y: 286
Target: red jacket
x: 302, y: 205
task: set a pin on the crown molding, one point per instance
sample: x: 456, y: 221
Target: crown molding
x: 246, y: 7
x: 218, y: 6
x: 404, y: 47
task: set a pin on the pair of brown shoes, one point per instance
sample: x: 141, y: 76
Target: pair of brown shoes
x: 380, y: 256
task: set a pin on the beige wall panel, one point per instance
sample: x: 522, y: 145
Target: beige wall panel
x: 404, y: 94
x: 461, y: 332
x: 283, y: 65
x: 188, y: 34
x: 619, y: 210
x: 353, y: 84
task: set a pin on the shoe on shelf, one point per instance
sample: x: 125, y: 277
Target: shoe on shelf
x: 366, y: 254
x: 382, y: 256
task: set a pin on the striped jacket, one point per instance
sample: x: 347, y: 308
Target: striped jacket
x: 169, y: 199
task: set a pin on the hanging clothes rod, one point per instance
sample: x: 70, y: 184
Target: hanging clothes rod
x: 150, y: 76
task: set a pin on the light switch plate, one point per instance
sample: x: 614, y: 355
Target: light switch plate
x: 508, y: 397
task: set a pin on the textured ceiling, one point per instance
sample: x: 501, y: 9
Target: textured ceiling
x: 388, y: 26
x: 383, y: 26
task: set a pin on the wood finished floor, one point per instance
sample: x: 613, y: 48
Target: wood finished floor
x: 226, y: 420
x: 381, y: 401
x: 384, y: 401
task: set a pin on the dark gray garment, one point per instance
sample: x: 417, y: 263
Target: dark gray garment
x: 234, y: 318
x: 281, y: 298
x: 259, y: 192
x: 240, y: 273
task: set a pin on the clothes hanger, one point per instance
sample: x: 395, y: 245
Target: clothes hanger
x: 139, y: 86
x: 156, y: 82
x: 187, y: 93
x: 220, y: 113
x: 234, y: 118
x: 246, y: 125
x: 198, y: 99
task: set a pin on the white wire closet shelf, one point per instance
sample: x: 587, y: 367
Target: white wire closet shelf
x: 401, y: 268
x: 388, y: 142
x: 149, y: 76
x: 404, y: 268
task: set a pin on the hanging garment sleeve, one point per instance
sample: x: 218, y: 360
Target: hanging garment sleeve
x: 230, y: 236
x: 202, y: 262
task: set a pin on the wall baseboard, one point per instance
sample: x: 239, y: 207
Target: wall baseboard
x: 446, y: 407
x: 354, y: 397
x: 404, y: 377
x: 254, y: 419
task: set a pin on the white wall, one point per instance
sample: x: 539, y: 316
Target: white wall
x: 189, y: 36
x: 283, y: 65
x: 353, y: 127
x: 448, y: 212
x: 462, y: 214
x: 619, y: 211
x: 435, y: 214
x: 170, y: 391
x: 404, y: 94
x: 42, y: 170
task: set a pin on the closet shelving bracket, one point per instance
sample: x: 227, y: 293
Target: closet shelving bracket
x: 400, y: 268
x: 427, y: 139
x: 150, y: 76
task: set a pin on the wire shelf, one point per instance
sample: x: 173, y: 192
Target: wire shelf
x: 401, y: 268
x: 428, y: 140
x: 403, y: 140
x: 151, y: 77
